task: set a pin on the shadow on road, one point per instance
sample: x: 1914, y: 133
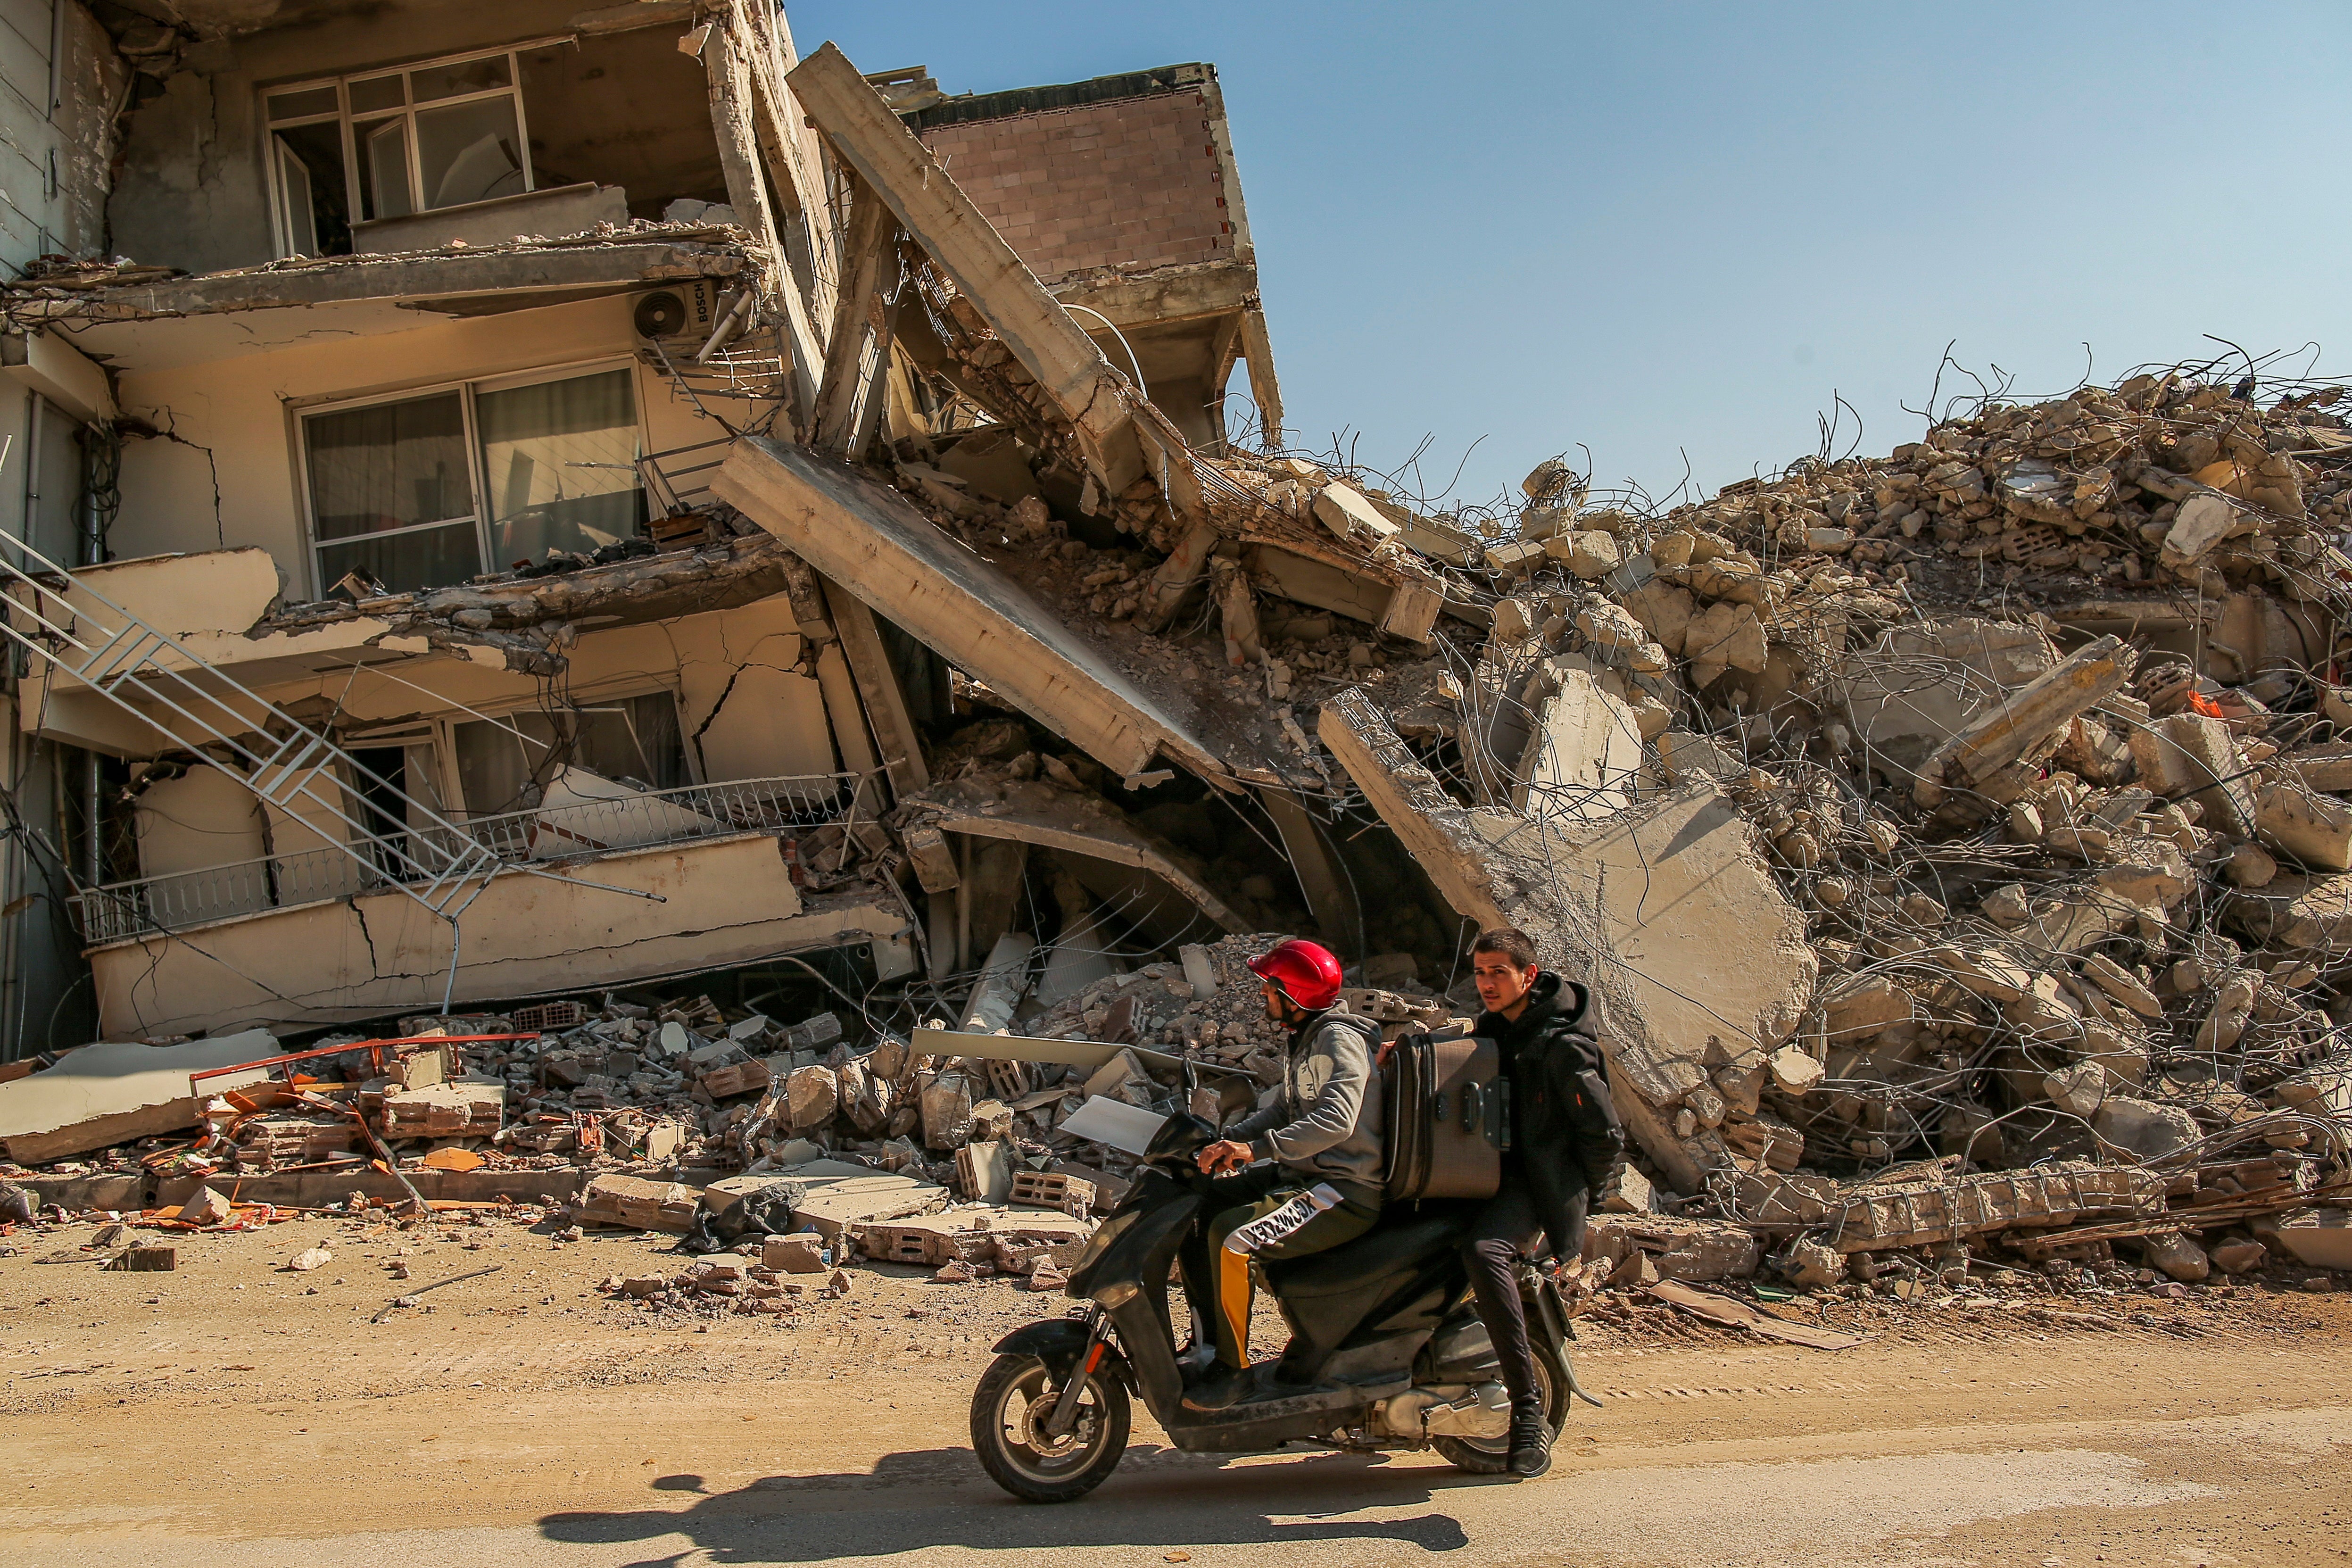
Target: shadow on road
x: 938, y: 1496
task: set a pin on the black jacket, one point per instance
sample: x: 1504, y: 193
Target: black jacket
x: 1566, y: 1140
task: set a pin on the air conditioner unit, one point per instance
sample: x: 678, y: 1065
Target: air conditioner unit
x: 678, y: 313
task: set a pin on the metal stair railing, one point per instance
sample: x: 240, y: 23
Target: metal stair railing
x: 285, y: 760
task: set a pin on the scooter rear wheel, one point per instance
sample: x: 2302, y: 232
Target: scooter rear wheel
x: 1009, y: 1411
x: 1492, y: 1456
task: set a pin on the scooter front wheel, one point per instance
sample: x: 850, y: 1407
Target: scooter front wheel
x: 1011, y: 1410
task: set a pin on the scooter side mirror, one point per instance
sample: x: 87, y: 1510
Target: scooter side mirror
x: 1181, y: 1137
x: 1233, y: 1097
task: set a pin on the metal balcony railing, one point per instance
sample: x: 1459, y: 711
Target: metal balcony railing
x: 573, y: 820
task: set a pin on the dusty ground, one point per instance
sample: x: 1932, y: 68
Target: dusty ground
x: 230, y: 1412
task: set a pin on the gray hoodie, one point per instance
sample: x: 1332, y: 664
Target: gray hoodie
x: 1327, y: 1120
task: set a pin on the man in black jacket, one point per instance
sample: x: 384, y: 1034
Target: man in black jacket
x: 1565, y: 1143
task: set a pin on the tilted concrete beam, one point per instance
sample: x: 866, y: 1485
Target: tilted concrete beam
x: 1102, y: 837
x: 1040, y: 335
x: 869, y: 540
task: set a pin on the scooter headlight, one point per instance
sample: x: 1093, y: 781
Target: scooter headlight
x: 1118, y: 1294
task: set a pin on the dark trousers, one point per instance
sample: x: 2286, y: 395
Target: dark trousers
x: 1267, y: 1211
x: 1507, y: 1230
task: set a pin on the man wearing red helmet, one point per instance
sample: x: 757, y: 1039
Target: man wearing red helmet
x: 1299, y: 1175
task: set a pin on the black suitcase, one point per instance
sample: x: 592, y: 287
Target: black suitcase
x: 1448, y: 1106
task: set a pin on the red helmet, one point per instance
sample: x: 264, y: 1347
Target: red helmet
x: 1304, y: 971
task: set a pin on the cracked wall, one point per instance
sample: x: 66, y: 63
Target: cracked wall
x: 760, y: 713
x: 192, y: 193
x: 184, y: 197
x: 57, y: 136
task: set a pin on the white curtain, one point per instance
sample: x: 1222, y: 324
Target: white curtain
x: 562, y: 459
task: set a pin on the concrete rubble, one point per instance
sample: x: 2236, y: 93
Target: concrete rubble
x: 1957, y: 843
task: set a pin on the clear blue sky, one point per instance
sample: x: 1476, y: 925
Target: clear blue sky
x: 1652, y: 230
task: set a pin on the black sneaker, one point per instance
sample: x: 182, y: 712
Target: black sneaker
x: 1530, y: 1440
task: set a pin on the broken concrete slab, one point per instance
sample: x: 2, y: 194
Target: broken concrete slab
x: 1874, y: 1215
x: 1036, y: 813
x: 1693, y: 952
x: 2322, y: 1240
x: 870, y: 541
x: 841, y: 1194
x: 2323, y: 767
x: 1004, y: 980
x: 2026, y: 723
x: 2308, y: 914
x: 1859, y: 1011
x: 1583, y: 749
x: 1678, y: 1249
x: 2122, y: 984
x: 801, y: 1252
x: 1725, y: 637
x: 111, y: 1092
x: 2309, y: 827
x: 1099, y: 402
x: 2143, y: 1130
x: 638, y: 1204
x: 1351, y: 517
x: 2194, y: 754
x: 1921, y: 682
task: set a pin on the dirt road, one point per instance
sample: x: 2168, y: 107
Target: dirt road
x: 233, y: 1413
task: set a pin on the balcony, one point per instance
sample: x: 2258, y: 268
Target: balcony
x: 583, y: 816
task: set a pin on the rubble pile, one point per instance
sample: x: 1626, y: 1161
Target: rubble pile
x: 726, y: 1285
x: 2034, y: 721
x: 1209, y: 1005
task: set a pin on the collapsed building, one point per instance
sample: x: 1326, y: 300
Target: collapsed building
x: 802, y: 554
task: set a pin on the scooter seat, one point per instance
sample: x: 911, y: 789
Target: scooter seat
x: 1387, y: 1248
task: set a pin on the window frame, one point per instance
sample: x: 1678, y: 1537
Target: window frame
x: 33, y: 491
x: 601, y: 695
x: 342, y: 115
x: 476, y: 471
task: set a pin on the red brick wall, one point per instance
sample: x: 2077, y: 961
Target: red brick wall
x: 1132, y: 183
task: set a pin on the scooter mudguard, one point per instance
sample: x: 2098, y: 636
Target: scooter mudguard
x: 1059, y: 1342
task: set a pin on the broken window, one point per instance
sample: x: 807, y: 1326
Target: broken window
x: 622, y: 109
x: 394, y: 483
x: 364, y: 148
x: 504, y: 764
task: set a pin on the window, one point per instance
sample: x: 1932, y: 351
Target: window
x: 366, y: 147
x: 504, y: 764
x: 422, y: 492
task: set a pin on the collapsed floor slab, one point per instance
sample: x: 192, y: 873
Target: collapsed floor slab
x: 1698, y: 960
x: 724, y: 901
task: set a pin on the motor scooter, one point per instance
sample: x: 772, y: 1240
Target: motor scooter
x: 1387, y: 1351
